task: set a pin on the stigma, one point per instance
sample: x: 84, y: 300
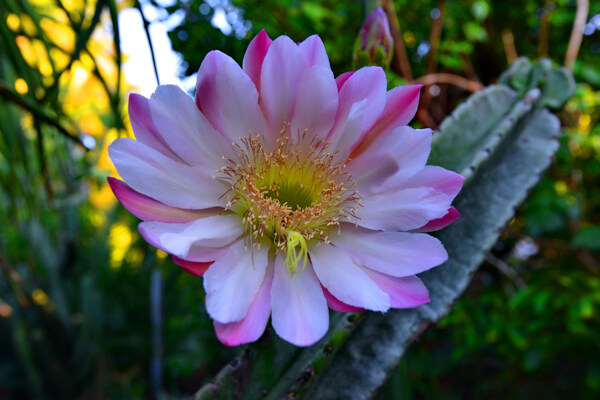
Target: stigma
x: 295, y: 255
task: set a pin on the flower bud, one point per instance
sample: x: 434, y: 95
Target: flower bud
x: 375, y: 44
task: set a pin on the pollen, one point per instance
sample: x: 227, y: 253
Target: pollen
x: 291, y: 196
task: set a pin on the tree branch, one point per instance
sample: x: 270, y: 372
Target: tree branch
x: 510, y: 50
x: 434, y: 37
x: 452, y: 79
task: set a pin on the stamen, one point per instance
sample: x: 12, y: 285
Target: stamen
x: 290, y: 195
x: 293, y: 256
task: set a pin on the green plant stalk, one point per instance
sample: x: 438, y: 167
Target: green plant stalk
x: 281, y: 364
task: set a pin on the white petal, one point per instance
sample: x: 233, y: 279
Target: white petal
x: 407, y: 146
x: 253, y: 325
x: 193, y: 240
x: 164, y: 179
x: 149, y: 209
x: 393, y: 253
x: 403, y: 210
x: 440, y: 179
x: 187, y: 132
x: 345, y: 280
x: 299, y: 308
x: 232, y: 281
x: 369, y: 84
x: 228, y: 98
x: 314, y: 52
x: 316, y: 103
x: 404, y: 292
x: 282, y: 70
x: 143, y: 127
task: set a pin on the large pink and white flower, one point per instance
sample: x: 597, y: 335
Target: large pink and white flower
x: 288, y: 190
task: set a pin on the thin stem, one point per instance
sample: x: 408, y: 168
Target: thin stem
x: 435, y: 36
x: 114, y: 15
x: 583, y: 8
x: 400, y: 61
x: 147, y: 32
x: 508, y: 39
x: 544, y: 34
x: 506, y: 270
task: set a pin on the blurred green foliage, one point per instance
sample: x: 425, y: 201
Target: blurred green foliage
x: 74, y: 302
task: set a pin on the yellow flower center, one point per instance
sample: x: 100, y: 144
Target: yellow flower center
x: 290, y: 196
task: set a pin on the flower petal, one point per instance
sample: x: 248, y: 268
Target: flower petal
x: 299, y: 309
x: 162, y: 178
x: 201, y: 240
x: 403, y: 210
x: 401, y: 104
x: 232, y: 282
x: 316, y: 103
x: 409, y: 147
x: 393, y: 253
x: 314, y: 52
x: 185, y: 130
x: 366, y: 83
x: 148, y: 209
x: 440, y: 179
x: 282, y: 70
x: 440, y: 223
x: 405, y: 292
x: 143, y: 127
x: 254, y: 56
x: 350, y: 132
x: 371, y: 176
x: 228, y: 98
x: 337, y: 305
x: 342, y: 78
x: 192, y: 267
x: 345, y: 280
x: 253, y: 325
